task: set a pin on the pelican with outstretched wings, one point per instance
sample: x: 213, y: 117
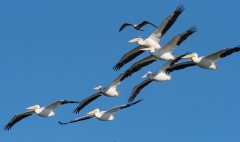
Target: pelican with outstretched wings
x: 43, y: 112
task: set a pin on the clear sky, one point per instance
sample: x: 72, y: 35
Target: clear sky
x: 61, y: 49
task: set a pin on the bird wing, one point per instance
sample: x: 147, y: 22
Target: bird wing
x: 222, y: 53
x: 124, y: 26
x: 87, y: 101
x: 165, y: 66
x: 166, y: 24
x: 78, y: 119
x: 178, y: 39
x: 230, y: 51
x: 128, y: 57
x: 146, y: 22
x: 138, y: 65
x: 17, y: 118
x: 115, y: 109
x: 138, y: 88
x: 58, y: 103
x: 170, y: 63
x: 180, y: 66
x: 117, y: 81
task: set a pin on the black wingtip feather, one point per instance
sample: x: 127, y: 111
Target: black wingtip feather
x: 76, y: 111
x: 180, y: 8
x: 116, y: 67
x: 193, y: 29
x: 7, y: 128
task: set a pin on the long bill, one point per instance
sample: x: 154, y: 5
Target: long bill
x: 31, y: 108
x: 145, y: 75
x: 97, y: 88
x: 188, y: 56
x: 135, y: 39
x: 92, y: 112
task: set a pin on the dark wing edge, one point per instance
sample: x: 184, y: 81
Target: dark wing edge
x: 136, y: 91
x: 127, y: 59
x: 130, y: 104
x: 179, y: 58
x: 124, y: 26
x: 87, y: 101
x: 78, y: 119
x: 230, y: 51
x: 186, y: 34
x: 17, y: 118
x: 136, y: 67
x: 68, y: 102
x: 180, y: 66
x: 180, y: 8
x: 146, y: 22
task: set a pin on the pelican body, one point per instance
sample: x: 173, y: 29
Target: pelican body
x: 109, y: 91
x: 43, y: 111
x: 158, y: 76
x: 147, y: 42
x: 160, y: 54
x: 103, y: 115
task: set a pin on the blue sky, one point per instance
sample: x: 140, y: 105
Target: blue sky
x: 51, y: 50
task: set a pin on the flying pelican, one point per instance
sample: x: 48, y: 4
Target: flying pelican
x: 159, y: 76
x: 109, y: 91
x: 152, y: 40
x: 137, y: 27
x: 206, y: 62
x: 43, y: 112
x: 102, y: 115
x: 165, y: 53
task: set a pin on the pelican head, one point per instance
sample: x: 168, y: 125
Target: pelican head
x: 98, y: 88
x: 135, y: 39
x: 193, y: 55
x: 94, y: 111
x: 147, y: 74
x: 33, y: 107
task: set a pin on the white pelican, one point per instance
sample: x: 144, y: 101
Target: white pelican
x: 109, y: 91
x: 102, y: 115
x: 159, y: 76
x: 206, y: 62
x: 137, y: 27
x: 152, y: 40
x: 43, y: 112
x: 165, y: 53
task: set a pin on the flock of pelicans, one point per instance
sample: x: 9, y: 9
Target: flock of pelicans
x: 157, y: 52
